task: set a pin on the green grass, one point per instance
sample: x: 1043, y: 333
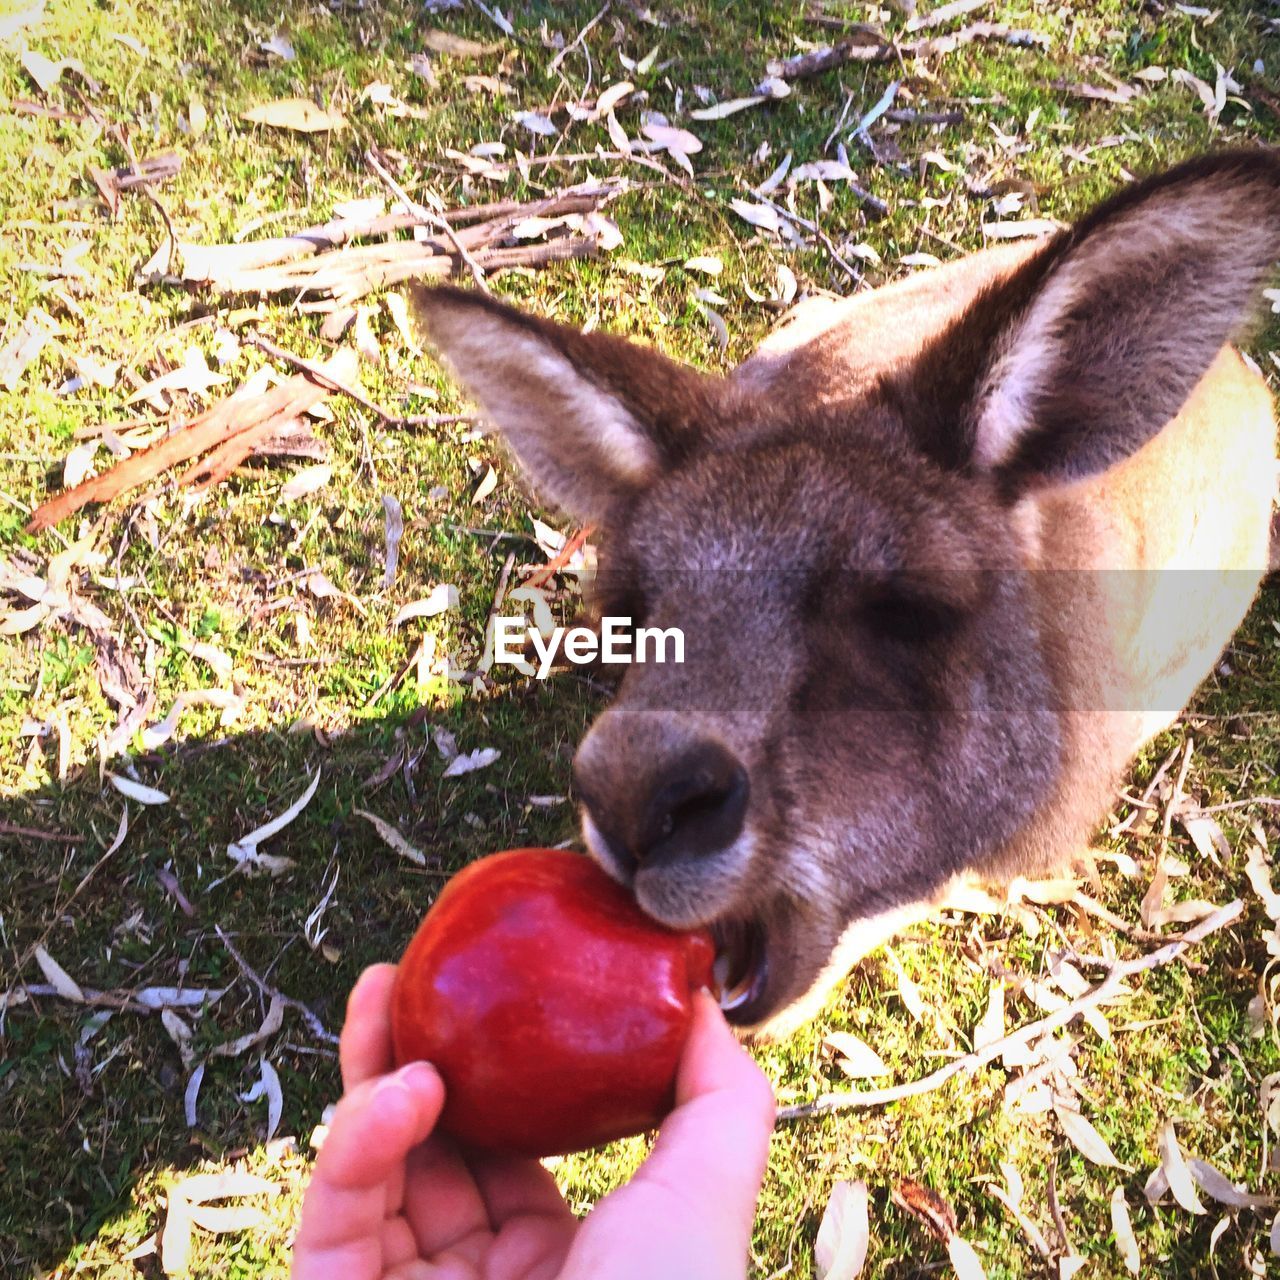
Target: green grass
x: 86, y: 1159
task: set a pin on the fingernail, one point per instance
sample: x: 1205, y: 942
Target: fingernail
x: 416, y: 1076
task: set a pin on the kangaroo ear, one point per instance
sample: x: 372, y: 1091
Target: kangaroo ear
x: 590, y: 416
x: 1104, y: 335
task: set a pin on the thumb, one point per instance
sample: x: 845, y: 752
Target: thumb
x: 715, y: 1144
x: 688, y: 1211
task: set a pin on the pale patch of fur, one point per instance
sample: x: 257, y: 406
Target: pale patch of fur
x: 858, y: 941
x: 598, y: 846
x: 698, y: 892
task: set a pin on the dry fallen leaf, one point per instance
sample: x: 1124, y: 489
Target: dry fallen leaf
x: 193, y: 375
x: 536, y: 123
x: 442, y: 596
x: 175, y: 1240
x: 275, y: 1097
x: 446, y: 42
x: 1176, y: 1174
x: 991, y: 1026
x: 1258, y: 869
x: 219, y: 1219
x: 1217, y: 1186
x: 488, y: 483
x: 717, y: 323
x: 65, y: 985
x: 220, y: 663
x: 840, y: 1249
x: 393, y: 838
x: 759, y: 215
x: 271, y: 1023
x: 679, y: 144
x: 1024, y: 229
x: 1206, y: 835
x: 306, y: 481
x: 729, y: 108
x: 1122, y: 1229
x: 707, y: 263
x: 45, y: 72
x: 612, y: 96
x: 964, y: 1261
x: 13, y: 24
x: 298, y: 114
x: 1085, y: 1138
x: 472, y: 760
x: 1187, y: 912
x: 278, y: 46
x: 907, y: 989
x: 926, y: 1205
x: 191, y: 1096
x: 35, y: 332
x: 137, y: 790
x: 78, y: 465
x: 245, y: 850
x: 856, y: 1059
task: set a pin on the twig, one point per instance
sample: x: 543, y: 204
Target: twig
x: 909, y: 115
x: 834, y: 22
x: 34, y: 833
x: 1107, y: 989
x: 577, y: 40
x: 1270, y: 802
x: 421, y: 211
x: 237, y: 413
x: 945, y: 13
x: 312, y: 1020
x: 93, y: 998
x: 501, y: 23
x: 856, y: 49
x: 319, y: 373
x: 561, y: 558
x: 486, y: 657
x: 1153, y: 899
x: 1156, y: 778
x: 1035, y: 1237
x: 1055, y: 1209
x: 436, y: 419
x: 817, y: 231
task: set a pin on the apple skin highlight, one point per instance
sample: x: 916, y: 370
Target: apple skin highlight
x: 554, y: 1009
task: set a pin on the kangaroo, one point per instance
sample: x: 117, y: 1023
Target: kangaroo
x: 945, y: 554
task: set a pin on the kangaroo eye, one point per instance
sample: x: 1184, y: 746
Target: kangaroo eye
x: 909, y: 618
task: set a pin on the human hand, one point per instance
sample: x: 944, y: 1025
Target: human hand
x: 388, y: 1200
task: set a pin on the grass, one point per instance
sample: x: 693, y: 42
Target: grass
x: 95, y: 1129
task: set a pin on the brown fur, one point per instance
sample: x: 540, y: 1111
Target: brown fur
x: 944, y: 554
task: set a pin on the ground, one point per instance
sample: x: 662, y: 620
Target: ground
x: 95, y: 1131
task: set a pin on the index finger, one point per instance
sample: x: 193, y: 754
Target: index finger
x: 365, y: 1050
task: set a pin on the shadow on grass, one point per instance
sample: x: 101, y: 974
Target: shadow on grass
x: 91, y: 1107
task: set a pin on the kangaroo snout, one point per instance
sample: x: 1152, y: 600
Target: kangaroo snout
x: 659, y: 791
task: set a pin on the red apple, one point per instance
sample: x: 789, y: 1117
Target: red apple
x: 554, y: 1009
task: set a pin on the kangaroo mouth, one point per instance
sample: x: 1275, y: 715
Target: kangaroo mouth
x: 741, y: 967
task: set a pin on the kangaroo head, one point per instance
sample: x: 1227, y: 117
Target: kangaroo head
x: 867, y: 704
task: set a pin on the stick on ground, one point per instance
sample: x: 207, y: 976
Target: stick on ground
x: 1110, y: 986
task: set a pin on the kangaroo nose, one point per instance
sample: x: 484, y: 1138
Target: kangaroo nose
x: 658, y: 804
